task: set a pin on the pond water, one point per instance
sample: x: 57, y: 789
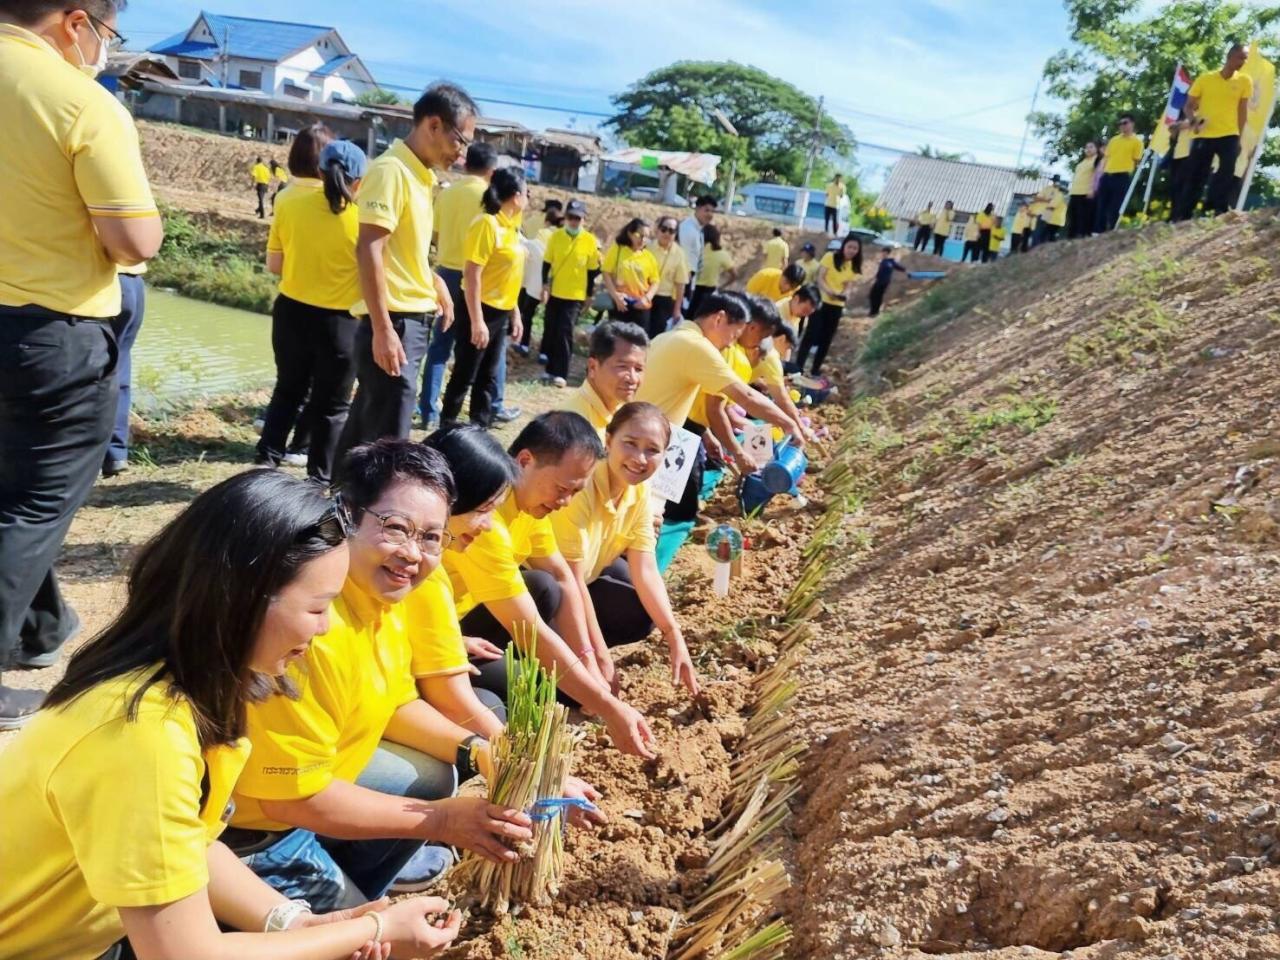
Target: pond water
x: 189, y: 349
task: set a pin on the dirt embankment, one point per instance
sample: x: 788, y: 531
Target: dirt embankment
x: 1048, y: 704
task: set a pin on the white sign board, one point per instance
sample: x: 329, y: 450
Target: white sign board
x: 670, y: 480
x: 757, y: 441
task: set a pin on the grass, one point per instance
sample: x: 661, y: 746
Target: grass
x: 900, y: 330
x: 201, y: 262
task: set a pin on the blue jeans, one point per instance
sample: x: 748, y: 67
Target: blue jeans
x: 133, y: 304
x: 441, y: 348
x: 336, y: 874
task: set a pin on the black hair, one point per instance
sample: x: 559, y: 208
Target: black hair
x: 339, y: 189
x: 552, y: 204
x: 505, y: 184
x: 29, y: 12
x: 481, y: 157
x: 777, y: 231
x: 623, y: 239
x: 371, y: 468
x: 838, y: 257
x: 554, y: 217
x: 605, y: 337
x: 705, y: 201
x: 638, y: 410
x: 1097, y: 148
x: 808, y: 293
x: 787, y: 333
x: 304, y: 152
x: 794, y: 274
x: 274, y: 165
x: 762, y: 310
x: 989, y: 209
x: 733, y: 304
x: 198, y: 592
x: 1126, y: 116
x: 481, y: 468
x: 447, y: 101
x: 711, y: 235
x: 1234, y: 46
x: 549, y: 436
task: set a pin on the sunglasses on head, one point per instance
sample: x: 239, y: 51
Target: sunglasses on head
x: 334, y: 525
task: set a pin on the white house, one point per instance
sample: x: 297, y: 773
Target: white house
x: 296, y: 60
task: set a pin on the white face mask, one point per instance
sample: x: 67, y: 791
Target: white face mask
x: 92, y: 70
x: 572, y: 231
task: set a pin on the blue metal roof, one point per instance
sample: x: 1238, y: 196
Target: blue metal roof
x: 337, y: 63
x: 271, y: 40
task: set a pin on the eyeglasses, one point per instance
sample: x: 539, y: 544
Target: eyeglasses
x: 397, y: 531
x: 116, y: 40
x: 462, y: 142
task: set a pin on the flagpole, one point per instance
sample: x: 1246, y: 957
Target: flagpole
x: 1133, y: 181
x: 1257, y: 152
x: 1151, y: 182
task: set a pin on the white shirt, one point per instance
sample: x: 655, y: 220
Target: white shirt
x: 689, y: 236
x: 533, y: 252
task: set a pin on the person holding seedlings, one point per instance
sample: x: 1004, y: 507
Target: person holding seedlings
x: 711, y: 419
x: 615, y: 369
x: 350, y: 776
x: 673, y: 277
x: 631, y: 274
x: 116, y: 794
x: 884, y: 274
x: 512, y: 577
x: 569, y: 269
x: 606, y: 536
x: 837, y: 276
x: 716, y: 266
x: 773, y: 283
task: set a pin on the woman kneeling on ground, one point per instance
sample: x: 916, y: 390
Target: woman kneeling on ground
x: 606, y: 535
x: 116, y: 793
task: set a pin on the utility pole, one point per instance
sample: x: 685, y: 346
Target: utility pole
x: 224, y: 57
x: 808, y: 167
x: 1026, y: 130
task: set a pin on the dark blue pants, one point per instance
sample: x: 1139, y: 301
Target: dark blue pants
x: 441, y: 348
x: 133, y: 304
x: 1111, y: 191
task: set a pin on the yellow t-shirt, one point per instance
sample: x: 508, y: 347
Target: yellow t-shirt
x: 776, y: 252
x: 489, y: 569
x: 997, y: 238
x: 985, y: 221
x: 588, y: 404
x: 493, y: 241
x: 681, y: 362
x: 736, y: 357
x: 714, y: 263
x: 395, y: 194
x: 766, y: 282
x: 1123, y: 153
x: 282, y: 175
x: 810, y: 269
x: 971, y: 230
x: 456, y: 207
x: 1082, y: 179
x: 634, y: 271
x: 836, y: 279
x: 571, y: 259
x: 943, y: 222
x: 673, y: 269
x: 102, y: 812
x: 533, y: 224
x: 352, y: 679
x: 926, y: 218
x: 784, y: 310
x: 834, y: 192
x: 319, y: 247
x: 768, y: 369
x: 1021, y: 222
x: 261, y: 173
x: 1056, y: 215
x: 1220, y: 102
x: 595, y: 531
x: 434, y: 634
x: 70, y: 150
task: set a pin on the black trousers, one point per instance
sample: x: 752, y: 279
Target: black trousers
x: 480, y: 622
x: 831, y: 219
x: 939, y: 244
x: 383, y: 406
x: 314, y: 349
x: 970, y: 251
x: 1199, y: 171
x: 1111, y: 191
x: 922, y: 238
x: 1047, y: 233
x: 633, y: 315
x: 621, y: 615
x: 261, y: 189
x: 818, y: 335
x: 560, y: 318
x: 878, y: 290
x: 57, y: 406
x: 528, y: 306
x: 664, y: 308
x: 984, y: 244
x: 475, y: 370
x: 1079, y: 216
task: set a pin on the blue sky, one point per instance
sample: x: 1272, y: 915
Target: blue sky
x: 958, y: 74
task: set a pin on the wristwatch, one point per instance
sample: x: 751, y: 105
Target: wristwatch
x: 466, y: 758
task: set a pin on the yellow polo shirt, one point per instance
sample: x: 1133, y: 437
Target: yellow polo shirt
x: 103, y: 812
x: 1219, y: 100
x: 1123, y: 153
x: 784, y: 310
x: 1021, y: 221
x: 70, y: 152
x: 261, y: 173
x: 395, y: 194
x: 997, y: 238
x: 673, y: 269
x: 971, y: 230
x: 926, y: 218
x: 352, y: 679
x: 768, y: 369
x: 634, y: 271
x: 776, y: 252
x: 682, y: 362
x: 810, y: 269
x: 943, y: 222
x: 833, y: 194
x: 766, y: 283
x: 1082, y: 179
x: 836, y: 279
x: 587, y: 403
x: 571, y: 259
x: 319, y: 247
x: 595, y: 531
x: 493, y: 242
x: 1056, y: 215
x: 456, y: 207
x: 434, y: 634
x: 739, y: 363
x: 985, y: 221
x: 714, y: 263
x: 282, y: 175
x: 489, y: 569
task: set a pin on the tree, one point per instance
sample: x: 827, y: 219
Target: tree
x: 378, y: 98
x: 671, y: 109
x: 928, y: 150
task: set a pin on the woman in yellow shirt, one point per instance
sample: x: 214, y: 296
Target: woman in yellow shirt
x: 986, y: 221
x: 312, y: 248
x: 992, y: 249
x: 1080, y: 205
x: 115, y: 794
x: 606, y: 534
x: 970, y: 251
x: 838, y: 273
x: 631, y: 274
x: 673, y: 277
x: 716, y: 270
x: 491, y: 282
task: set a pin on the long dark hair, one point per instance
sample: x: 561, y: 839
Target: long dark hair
x: 198, y: 593
x: 304, y: 152
x: 481, y: 468
x: 505, y: 183
x: 1097, y: 147
x: 623, y: 239
x: 989, y: 209
x: 711, y: 235
x: 339, y: 189
x: 838, y: 257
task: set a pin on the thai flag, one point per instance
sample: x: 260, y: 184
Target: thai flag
x: 1178, y: 94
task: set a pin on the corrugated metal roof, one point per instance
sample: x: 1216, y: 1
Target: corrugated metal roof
x: 915, y: 181
x: 337, y: 63
x: 246, y: 37
x: 587, y: 144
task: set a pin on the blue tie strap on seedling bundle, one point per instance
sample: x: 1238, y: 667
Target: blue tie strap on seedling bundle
x: 548, y: 808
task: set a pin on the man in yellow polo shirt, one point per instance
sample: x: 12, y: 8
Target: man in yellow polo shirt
x: 401, y: 296
x: 615, y: 370
x: 1124, y: 153
x: 457, y: 205
x: 1217, y: 108
x: 773, y: 283
x: 942, y: 227
x: 76, y: 208
x: 925, y: 220
x: 569, y: 267
x: 261, y: 175
x: 777, y: 252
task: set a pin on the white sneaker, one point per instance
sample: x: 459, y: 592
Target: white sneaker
x: 558, y: 382
x: 296, y: 459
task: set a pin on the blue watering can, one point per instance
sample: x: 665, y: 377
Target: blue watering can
x: 780, y: 475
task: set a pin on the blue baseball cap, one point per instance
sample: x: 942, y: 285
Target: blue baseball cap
x: 346, y: 155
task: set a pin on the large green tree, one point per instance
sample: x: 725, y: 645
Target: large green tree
x: 1120, y: 60
x: 673, y: 109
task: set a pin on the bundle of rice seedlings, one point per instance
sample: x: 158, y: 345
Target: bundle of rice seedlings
x: 532, y: 758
